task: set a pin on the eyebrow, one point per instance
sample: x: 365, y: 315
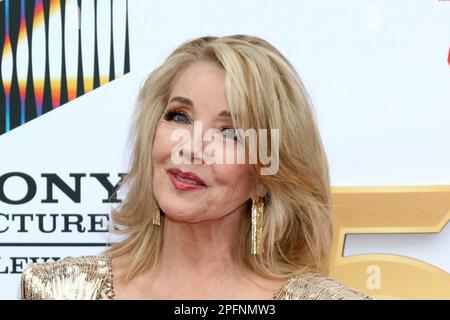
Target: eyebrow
x: 183, y: 100
x: 189, y: 102
x: 225, y: 114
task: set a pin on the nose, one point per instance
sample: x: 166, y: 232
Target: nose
x: 193, y: 147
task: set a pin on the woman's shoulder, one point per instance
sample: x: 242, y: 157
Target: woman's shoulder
x: 86, y: 277
x: 316, y: 286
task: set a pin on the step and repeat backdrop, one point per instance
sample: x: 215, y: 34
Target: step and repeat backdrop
x: 378, y: 73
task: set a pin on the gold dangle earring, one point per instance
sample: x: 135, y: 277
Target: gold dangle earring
x: 156, y: 216
x: 257, y: 221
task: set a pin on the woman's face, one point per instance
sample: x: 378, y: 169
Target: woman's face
x: 199, y: 95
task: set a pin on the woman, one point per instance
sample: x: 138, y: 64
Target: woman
x: 198, y: 227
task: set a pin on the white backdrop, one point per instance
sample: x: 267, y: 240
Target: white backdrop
x: 377, y: 72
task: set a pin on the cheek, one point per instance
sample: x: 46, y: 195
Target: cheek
x: 162, y: 144
x: 161, y: 152
x: 237, y: 178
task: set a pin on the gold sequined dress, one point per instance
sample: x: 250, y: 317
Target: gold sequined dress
x: 90, y: 278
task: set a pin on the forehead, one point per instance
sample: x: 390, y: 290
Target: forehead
x: 204, y: 84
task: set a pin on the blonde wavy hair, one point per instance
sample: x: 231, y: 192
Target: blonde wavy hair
x: 263, y: 92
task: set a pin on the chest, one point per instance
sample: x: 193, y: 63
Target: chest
x: 193, y: 291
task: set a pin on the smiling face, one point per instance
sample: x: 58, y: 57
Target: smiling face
x: 199, y: 95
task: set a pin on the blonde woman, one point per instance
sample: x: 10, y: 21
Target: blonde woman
x: 198, y: 227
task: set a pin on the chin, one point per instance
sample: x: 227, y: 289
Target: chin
x: 183, y: 217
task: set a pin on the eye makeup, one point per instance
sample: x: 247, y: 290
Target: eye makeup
x: 181, y: 116
x: 177, y: 115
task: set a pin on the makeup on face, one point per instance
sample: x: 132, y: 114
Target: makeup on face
x: 185, y: 180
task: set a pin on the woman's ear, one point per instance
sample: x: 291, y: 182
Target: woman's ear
x: 260, y: 190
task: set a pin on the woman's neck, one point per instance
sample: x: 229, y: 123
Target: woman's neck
x: 196, y: 262
x: 203, y: 249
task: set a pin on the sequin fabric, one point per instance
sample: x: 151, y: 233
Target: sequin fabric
x: 314, y: 286
x: 91, y: 278
x: 82, y: 278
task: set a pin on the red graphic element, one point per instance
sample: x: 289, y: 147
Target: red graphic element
x: 448, y: 59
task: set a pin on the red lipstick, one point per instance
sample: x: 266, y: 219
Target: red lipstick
x: 185, y: 180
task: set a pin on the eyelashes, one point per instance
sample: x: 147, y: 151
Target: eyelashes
x: 181, y: 116
x: 175, y: 115
x: 231, y: 133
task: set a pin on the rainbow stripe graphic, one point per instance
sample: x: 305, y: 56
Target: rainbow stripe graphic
x: 42, y: 67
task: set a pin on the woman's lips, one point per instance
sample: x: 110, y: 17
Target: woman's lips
x: 185, y: 180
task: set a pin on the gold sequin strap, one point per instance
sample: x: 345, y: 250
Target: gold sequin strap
x: 82, y: 278
x: 314, y: 286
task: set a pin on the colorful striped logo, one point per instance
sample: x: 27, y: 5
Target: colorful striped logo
x: 53, y: 51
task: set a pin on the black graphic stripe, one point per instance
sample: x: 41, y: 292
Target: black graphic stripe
x: 2, y: 88
x: 14, y: 27
x: 54, y: 244
x: 80, y: 77
x: 112, y: 69
x: 64, y: 97
x: 30, y: 98
x: 47, y: 99
x: 127, y: 46
x: 96, y: 66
